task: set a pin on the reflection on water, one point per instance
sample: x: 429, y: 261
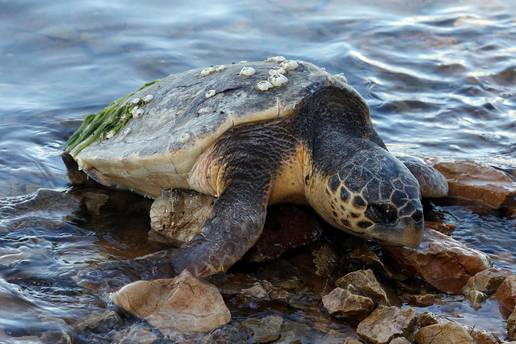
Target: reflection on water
x: 440, y: 80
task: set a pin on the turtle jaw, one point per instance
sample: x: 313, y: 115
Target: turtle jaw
x: 405, y: 232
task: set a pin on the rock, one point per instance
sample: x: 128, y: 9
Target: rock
x: 257, y: 291
x: 506, y: 295
x: 442, y: 261
x: 102, y: 322
x: 184, y: 303
x: 445, y: 228
x: 343, y: 303
x: 178, y: 215
x: 325, y: 260
x: 444, y: 334
x: 350, y: 340
x: 511, y: 325
x: 400, y: 340
x: 424, y: 300
x: 386, y: 323
x: 364, y: 282
x: 483, y: 337
x: 432, y: 182
x: 426, y: 319
x: 468, y: 180
x: 286, y: 227
x: 136, y: 334
x: 266, y: 329
x: 479, y: 287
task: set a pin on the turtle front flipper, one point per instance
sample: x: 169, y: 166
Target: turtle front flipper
x: 431, y: 182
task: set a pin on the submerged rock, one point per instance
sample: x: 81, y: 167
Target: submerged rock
x: 265, y: 330
x: 136, y: 334
x: 184, y: 303
x: 483, y: 284
x: 511, y: 325
x: 364, y: 282
x: 343, y: 303
x: 506, y: 295
x: 444, y: 262
x: 444, y: 334
x: 387, y: 323
x: 477, y: 183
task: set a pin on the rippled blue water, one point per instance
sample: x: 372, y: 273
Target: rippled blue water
x: 439, y: 76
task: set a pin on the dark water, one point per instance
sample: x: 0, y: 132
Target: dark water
x: 440, y: 80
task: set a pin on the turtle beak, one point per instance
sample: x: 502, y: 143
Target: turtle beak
x: 405, y: 232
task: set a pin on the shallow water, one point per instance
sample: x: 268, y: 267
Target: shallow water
x: 440, y: 80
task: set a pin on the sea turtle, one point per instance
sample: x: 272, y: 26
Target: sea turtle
x: 252, y: 134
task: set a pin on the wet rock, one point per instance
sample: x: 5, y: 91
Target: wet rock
x: 432, y: 182
x: 423, y: 300
x: 511, y: 325
x: 257, y: 291
x: 506, y: 295
x: 184, y: 303
x: 445, y: 228
x: 98, y: 323
x: 178, y: 215
x: 426, y: 319
x: 136, y: 334
x: 343, y: 303
x: 364, y: 282
x: 352, y: 341
x: 400, y: 340
x: 442, y: 261
x: 386, y: 323
x: 325, y: 260
x: 479, y: 287
x: 483, y: 337
x: 444, y: 334
x: 286, y: 227
x: 473, y: 182
x: 229, y: 334
x: 266, y: 329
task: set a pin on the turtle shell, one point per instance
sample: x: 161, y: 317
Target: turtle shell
x: 167, y: 125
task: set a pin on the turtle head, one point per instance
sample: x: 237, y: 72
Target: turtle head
x: 373, y: 195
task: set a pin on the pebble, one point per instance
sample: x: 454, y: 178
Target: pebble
x: 263, y: 85
x: 110, y: 134
x: 210, y: 94
x: 247, y: 71
x: 278, y: 80
x: 135, y: 101
x: 276, y: 71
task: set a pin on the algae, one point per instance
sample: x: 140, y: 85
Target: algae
x: 103, y: 124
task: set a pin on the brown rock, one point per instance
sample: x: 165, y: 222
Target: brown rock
x: 400, y: 340
x: 364, y: 282
x: 325, y: 260
x: 342, y: 303
x: 444, y: 334
x: 511, y: 325
x: 506, y: 295
x: 257, y: 291
x: 442, y: 261
x: 424, y: 300
x: 265, y: 330
x: 386, y: 323
x: 445, y: 228
x: 286, y: 227
x: 350, y: 340
x: 483, y: 284
x: 178, y: 215
x: 184, y: 303
x: 468, y: 180
x: 426, y: 319
x: 483, y: 337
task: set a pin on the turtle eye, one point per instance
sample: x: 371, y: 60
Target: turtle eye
x: 382, y: 213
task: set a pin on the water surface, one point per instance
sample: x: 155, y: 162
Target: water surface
x: 440, y: 79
